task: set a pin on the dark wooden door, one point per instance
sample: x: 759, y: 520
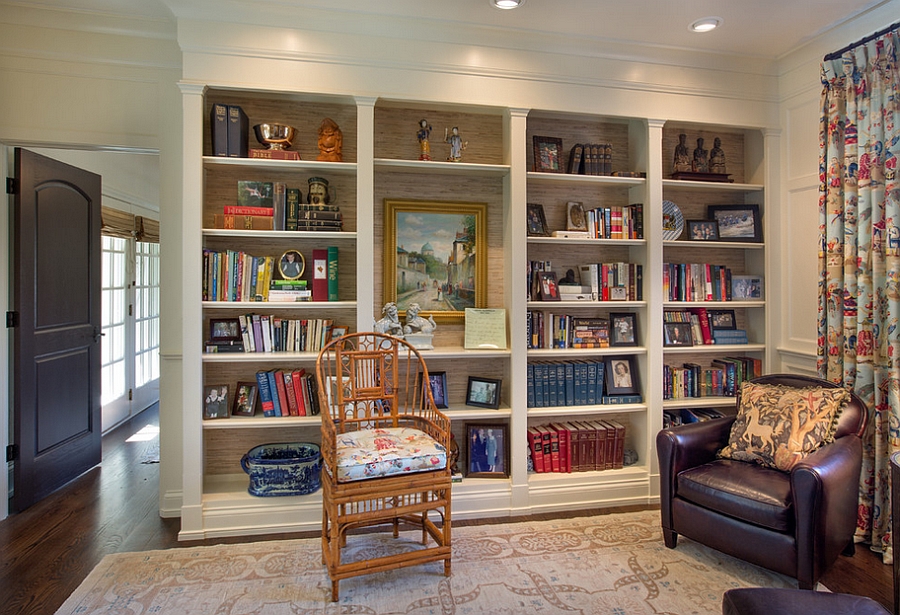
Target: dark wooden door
x: 56, y: 382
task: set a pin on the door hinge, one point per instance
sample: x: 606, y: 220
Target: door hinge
x: 130, y: 394
x: 12, y: 186
x: 12, y: 320
x: 12, y: 452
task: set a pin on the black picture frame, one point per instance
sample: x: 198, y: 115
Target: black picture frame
x: 225, y: 330
x: 537, y: 221
x: 245, y: 396
x: 480, y: 448
x: 438, y: 382
x: 215, y: 401
x: 720, y: 320
x: 676, y: 334
x: 621, y: 375
x: 702, y: 230
x: 483, y: 392
x: 737, y: 222
x: 548, y: 286
x: 623, y: 329
x: 547, y: 154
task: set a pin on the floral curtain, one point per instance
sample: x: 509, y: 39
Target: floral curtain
x: 859, y: 257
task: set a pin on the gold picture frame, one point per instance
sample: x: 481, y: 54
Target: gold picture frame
x: 450, y: 273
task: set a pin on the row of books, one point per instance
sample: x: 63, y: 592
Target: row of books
x: 590, y: 159
x: 564, y: 383
x: 275, y: 206
x: 577, y: 446
x: 673, y: 418
x: 269, y: 333
x: 233, y: 275
x: 722, y: 378
x: 616, y: 222
x: 619, y: 281
x: 229, y: 127
x: 287, y: 393
x: 696, y: 282
x: 547, y: 330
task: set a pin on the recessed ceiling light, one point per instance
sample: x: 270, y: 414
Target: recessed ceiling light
x: 706, y: 24
x: 506, y: 4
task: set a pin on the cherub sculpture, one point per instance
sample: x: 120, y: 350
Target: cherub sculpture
x: 390, y: 323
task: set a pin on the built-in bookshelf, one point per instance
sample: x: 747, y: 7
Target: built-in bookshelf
x: 497, y: 172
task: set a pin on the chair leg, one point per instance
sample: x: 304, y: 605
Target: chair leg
x: 334, y: 591
x: 850, y: 549
x: 670, y: 537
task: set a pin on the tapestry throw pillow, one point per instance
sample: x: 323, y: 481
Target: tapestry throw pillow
x: 777, y: 426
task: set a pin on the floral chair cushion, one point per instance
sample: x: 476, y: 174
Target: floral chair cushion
x: 372, y: 453
x: 777, y: 426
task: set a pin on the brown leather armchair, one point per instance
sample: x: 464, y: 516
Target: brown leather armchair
x: 794, y: 523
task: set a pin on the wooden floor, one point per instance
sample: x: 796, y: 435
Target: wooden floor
x: 48, y: 549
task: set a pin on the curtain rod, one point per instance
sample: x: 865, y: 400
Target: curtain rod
x: 836, y: 54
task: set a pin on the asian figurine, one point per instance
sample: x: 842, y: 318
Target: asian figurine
x: 422, y: 135
x: 331, y: 141
x: 457, y: 145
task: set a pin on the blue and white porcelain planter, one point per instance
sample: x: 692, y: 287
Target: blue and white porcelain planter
x: 291, y: 468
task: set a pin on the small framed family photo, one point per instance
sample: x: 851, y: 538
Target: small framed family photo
x: 737, y: 222
x: 703, y: 230
x: 721, y: 319
x: 483, y: 392
x: 547, y: 154
x: 744, y: 287
x: 224, y: 330
x: 245, y: 399
x: 621, y: 376
x: 537, y: 221
x: 487, y: 451
x: 622, y: 329
x: 438, y: 382
x: 677, y: 334
x: 215, y: 401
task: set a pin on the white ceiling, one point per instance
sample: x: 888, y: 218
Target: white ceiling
x: 761, y: 28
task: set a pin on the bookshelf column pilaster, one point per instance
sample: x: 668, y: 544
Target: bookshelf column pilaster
x: 365, y: 212
x: 191, y: 312
x: 517, y: 255
x: 774, y: 235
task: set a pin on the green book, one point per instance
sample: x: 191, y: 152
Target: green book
x: 332, y: 273
x: 292, y: 209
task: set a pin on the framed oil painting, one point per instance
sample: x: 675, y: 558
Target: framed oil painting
x: 435, y: 255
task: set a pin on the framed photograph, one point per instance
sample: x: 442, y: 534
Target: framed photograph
x: 549, y: 287
x: 215, y: 401
x: 421, y: 240
x: 337, y: 332
x: 576, y: 219
x: 291, y: 265
x: 721, y: 319
x: 622, y: 329
x: 677, y: 334
x: 703, y: 230
x: 547, y: 154
x: 737, y: 222
x: 483, y: 392
x: 487, y: 451
x: 537, y: 223
x: 225, y: 330
x: 744, y: 287
x: 245, y: 397
x: 438, y: 381
x: 621, y: 376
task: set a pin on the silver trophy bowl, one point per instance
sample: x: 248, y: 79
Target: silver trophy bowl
x: 274, y: 136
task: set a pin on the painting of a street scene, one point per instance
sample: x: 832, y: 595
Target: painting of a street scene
x: 437, y: 255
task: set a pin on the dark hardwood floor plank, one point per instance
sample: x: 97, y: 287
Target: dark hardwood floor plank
x: 51, y: 547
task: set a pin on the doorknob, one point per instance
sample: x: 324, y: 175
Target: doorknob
x: 97, y: 334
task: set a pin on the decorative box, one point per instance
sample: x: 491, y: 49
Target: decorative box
x: 291, y: 468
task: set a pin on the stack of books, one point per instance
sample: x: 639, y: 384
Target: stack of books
x: 266, y: 206
x: 577, y: 446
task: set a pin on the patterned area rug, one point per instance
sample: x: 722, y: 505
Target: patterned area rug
x: 612, y: 564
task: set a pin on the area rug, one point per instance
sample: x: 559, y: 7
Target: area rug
x: 614, y: 564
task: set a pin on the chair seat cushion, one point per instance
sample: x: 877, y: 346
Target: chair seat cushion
x: 754, y: 494
x: 373, y: 453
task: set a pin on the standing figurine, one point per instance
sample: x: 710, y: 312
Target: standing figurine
x: 682, y: 163
x: 701, y: 158
x: 717, y: 157
x: 331, y: 141
x: 422, y: 135
x: 457, y: 145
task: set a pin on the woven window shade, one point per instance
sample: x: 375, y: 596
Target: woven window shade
x: 147, y: 229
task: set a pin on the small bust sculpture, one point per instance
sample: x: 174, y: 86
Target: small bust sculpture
x: 390, y: 322
x: 717, y: 157
x: 457, y: 145
x: 682, y: 163
x: 318, y: 194
x: 422, y: 135
x: 331, y: 141
x: 701, y: 158
x: 417, y: 324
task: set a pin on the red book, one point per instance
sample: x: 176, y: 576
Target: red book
x: 290, y: 394
x: 243, y: 210
x: 282, y: 394
x: 565, y: 447
x: 298, y: 391
x: 537, y: 449
x: 320, y: 275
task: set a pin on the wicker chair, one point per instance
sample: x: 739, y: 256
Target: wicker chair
x: 384, y: 452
